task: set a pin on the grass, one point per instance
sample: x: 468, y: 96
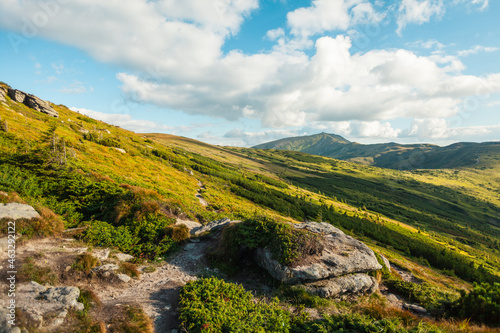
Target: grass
x: 85, y: 263
x: 129, y: 269
x: 30, y: 271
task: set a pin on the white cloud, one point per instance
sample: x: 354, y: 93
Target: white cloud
x: 171, y: 55
x: 476, y: 49
x: 275, y: 34
x: 74, y: 88
x: 418, y: 12
x: 428, y: 44
x: 330, y: 15
x: 439, y: 129
x: 482, y: 4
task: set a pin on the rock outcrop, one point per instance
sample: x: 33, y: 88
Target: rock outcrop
x: 336, y: 272
x: 47, y: 306
x: 212, y: 226
x: 3, y: 93
x: 33, y: 102
x: 16, y: 211
x: 347, y: 285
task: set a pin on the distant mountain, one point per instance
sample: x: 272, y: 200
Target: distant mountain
x: 393, y: 155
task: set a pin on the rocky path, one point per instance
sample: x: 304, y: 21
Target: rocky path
x: 200, y: 197
x: 158, y: 292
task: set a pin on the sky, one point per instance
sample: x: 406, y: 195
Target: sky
x: 244, y: 72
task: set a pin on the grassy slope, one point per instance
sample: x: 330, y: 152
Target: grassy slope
x: 437, y: 202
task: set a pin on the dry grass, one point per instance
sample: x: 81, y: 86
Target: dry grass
x: 85, y: 263
x: 129, y: 269
x: 178, y: 233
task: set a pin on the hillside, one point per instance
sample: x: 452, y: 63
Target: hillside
x: 393, y: 155
x: 126, y: 191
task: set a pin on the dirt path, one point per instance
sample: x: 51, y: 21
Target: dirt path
x: 202, y: 200
x: 158, y: 292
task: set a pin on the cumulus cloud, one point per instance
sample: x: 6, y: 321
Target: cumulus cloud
x: 171, y: 55
x: 476, y: 49
x: 329, y: 15
x: 439, y: 129
x: 418, y: 12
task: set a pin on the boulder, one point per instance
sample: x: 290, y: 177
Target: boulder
x: 415, y: 308
x: 17, y: 95
x: 40, y: 105
x: 32, y: 102
x: 106, y: 270
x: 348, y: 285
x: 16, y: 211
x: 212, y: 226
x: 3, y: 93
x: 46, y: 306
x: 342, y: 254
x: 67, y: 297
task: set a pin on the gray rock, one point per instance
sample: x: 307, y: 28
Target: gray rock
x: 17, y: 95
x: 101, y: 254
x: 342, y: 254
x: 121, y: 150
x: 39, y: 303
x: 387, y: 264
x: 105, y: 270
x: 33, y: 102
x: 16, y: 211
x: 212, y: 226
x: 124, y: 277
x: 124, y: 256
x: 3, y: 93
x: 66, y: 296
x: 348, y: 285
x: 5, y: 327
x: 40, y: 105
x: 415, y: 308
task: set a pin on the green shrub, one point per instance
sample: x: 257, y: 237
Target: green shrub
x: 178, y: 233
x: 212, y: 305
x: 288, y: 245
x: 481, y: 304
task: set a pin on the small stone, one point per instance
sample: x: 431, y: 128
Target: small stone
x: 102, y: 254
x: 168, y: 307
x: 124, y: 256
x: 79, y: 306
x: 123, y: 277
x: 189, y: 247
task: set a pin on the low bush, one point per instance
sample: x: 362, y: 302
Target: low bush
x: 212, y: 305
x: 481, y: 304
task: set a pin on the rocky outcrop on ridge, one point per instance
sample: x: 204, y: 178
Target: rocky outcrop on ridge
x: 33, y: 102
x: 3, y: 93
x: 336, y: 272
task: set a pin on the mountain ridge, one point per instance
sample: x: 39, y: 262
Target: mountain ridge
x: 390, y: 155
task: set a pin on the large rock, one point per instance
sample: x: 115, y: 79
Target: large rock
x: 40, y: 105
x: 16, y: 211
x: 212, y: 226
x: 3, y: 93
x: 46, y: 306
x: 33, y: 102
x: 343, y: 286
x: 106, y: 270
x: 342, y: 254
x: 17, y: 95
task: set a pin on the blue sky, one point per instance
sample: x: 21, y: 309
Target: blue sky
x: 243, y: 72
